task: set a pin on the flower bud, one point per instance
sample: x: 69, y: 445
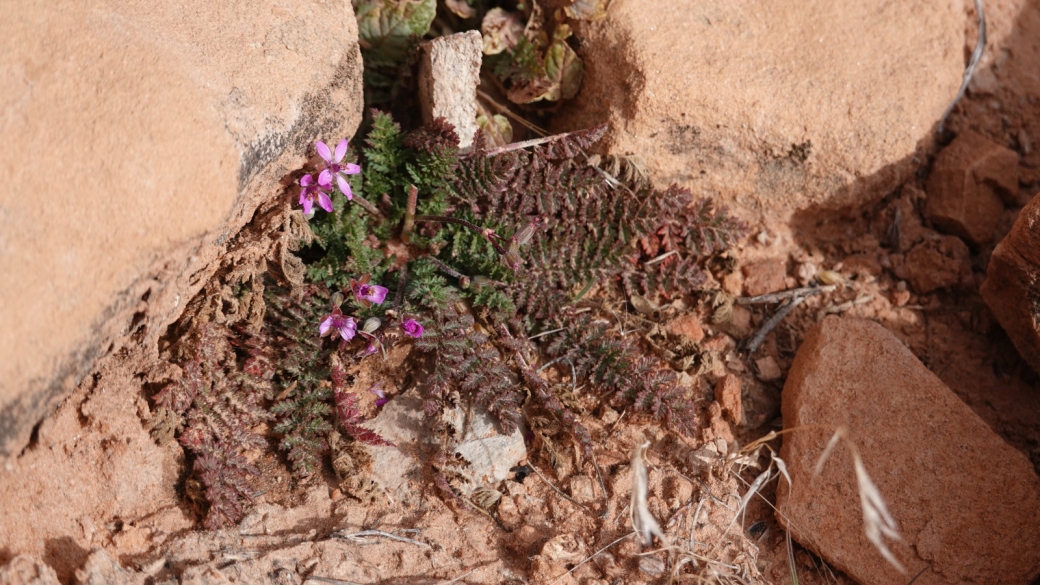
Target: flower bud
x: 371, y: 324
x: 524, y: 235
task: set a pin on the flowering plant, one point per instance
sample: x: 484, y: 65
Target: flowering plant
x: 367, y: 294
x: 312, y: 190
x: 338, y: 325
x: 335, y: 168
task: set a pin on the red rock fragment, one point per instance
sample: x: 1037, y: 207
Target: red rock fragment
x: 970, y: 177
x: 768, y: 369
x: 727, y: 394
x: 686, y: 325
x: 717, y: 427
x: 1012, y: 283
x: 762, y: 278
x: 937, y: 262
x: 862, y: 265
x: 967, y: 505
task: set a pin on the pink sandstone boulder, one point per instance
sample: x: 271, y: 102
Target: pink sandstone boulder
x: 1012, y: 285
x: 139, y: 137
x: 775, y: 105
x: 967, y: 505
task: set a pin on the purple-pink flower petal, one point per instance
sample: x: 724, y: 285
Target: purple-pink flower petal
x: 351, y: 169
x: 370, y: 349
x: 325, y: 179
x: 308, y: 205
x: 344, y: 186
x: 341, y: 150
x: 326, y: 325
x: 372, y: 293
x: 412, y: 328
x: 306, y: 180
x: 323, y: 151
x: 347, y: 327
x: 325, y: 201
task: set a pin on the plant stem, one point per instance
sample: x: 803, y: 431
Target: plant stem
x: 409, y: 214
x: 369, y: 207
x: 487, y: 234
x: 454, y: 220
x: 463, y: 279
x: 402, y: 281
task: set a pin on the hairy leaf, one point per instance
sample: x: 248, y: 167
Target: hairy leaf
x: 384, y: 26
x: 501, y: 30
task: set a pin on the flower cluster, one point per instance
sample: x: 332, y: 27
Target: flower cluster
x: 317, y: 190
x: 345, y: 327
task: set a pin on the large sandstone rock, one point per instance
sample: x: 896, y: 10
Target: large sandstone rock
x: 1012, y: 285
x: 140, y: 136
x: 772, y: 104
x: 967, y: 505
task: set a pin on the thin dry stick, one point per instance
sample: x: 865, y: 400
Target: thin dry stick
x: 835, y: 309
x: 555, y: 489
x: 505, y: 110
x: 772, y: 322
x: 973, y: 62
x: 329, y: 580
x: 525, y: 144
x: 807, y: 291
x: 660, y: 258
x: 549, y: 332
x: 360, y: 537
x: 602, y: 486
x: 693, y: 525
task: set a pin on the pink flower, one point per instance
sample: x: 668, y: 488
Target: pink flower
x: 368, y: 294
x: 371, y: 348
x: 381, y: 398
x: 412, y: 327
x: 338, y: 325
x: 334, y: 167
x: 368, y: 332
x: 311, y: 191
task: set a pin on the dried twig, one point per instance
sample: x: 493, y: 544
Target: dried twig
x: 508, y: 112
x: 362, y: 535
x: 329, y: 580
x: 973, y: 62
x: 602, y: 485
x: 807, y: 291
x: 835, y: 309
x: 771, y: 323
x: 549, y: 332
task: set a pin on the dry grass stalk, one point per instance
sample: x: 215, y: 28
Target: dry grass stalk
x: 878, y: 523
x: 643, y: 522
